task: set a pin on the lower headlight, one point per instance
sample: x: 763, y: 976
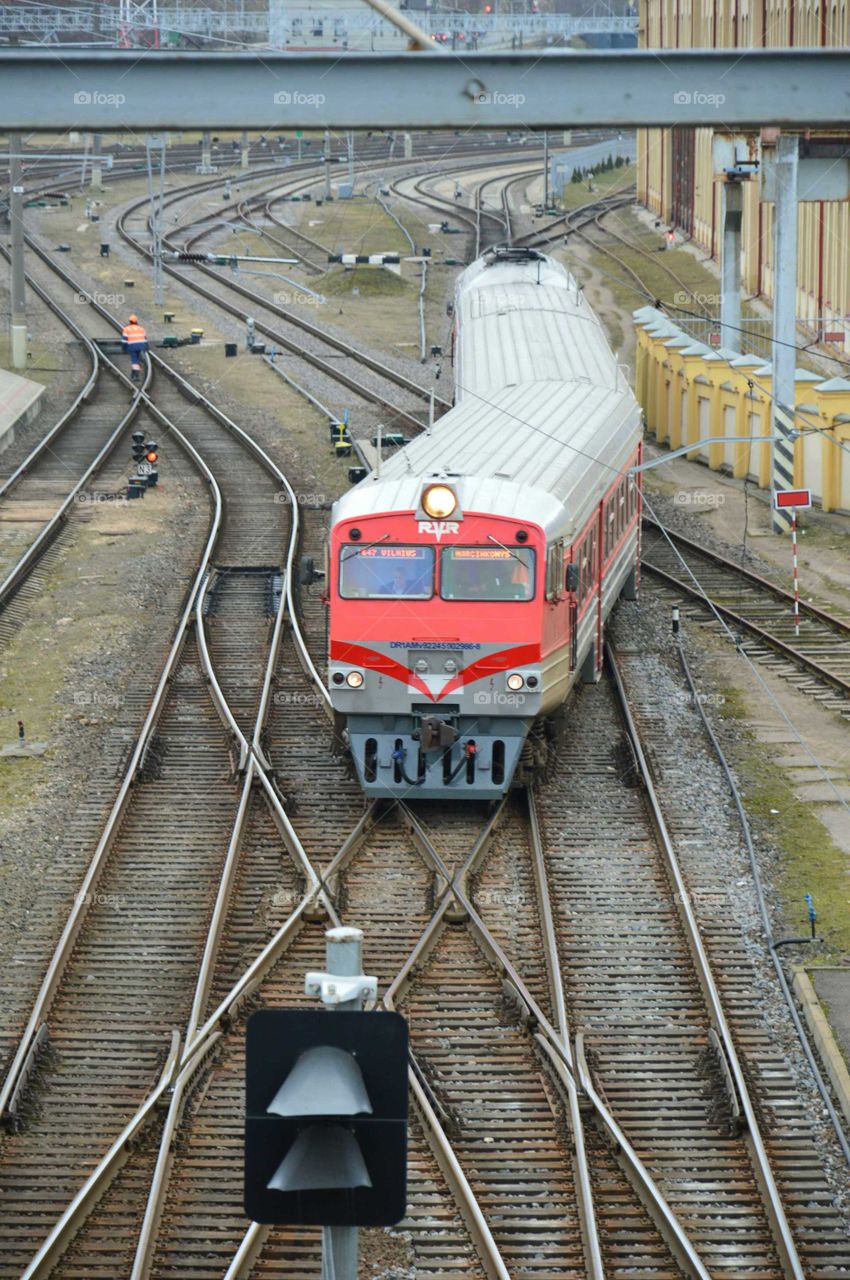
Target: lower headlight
x: 354, y: 679
x: 515, y: 682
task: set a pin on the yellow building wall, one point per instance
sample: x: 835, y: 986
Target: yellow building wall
x: 824, y: 227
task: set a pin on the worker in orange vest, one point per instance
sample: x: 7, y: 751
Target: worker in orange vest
x: 135, y: 341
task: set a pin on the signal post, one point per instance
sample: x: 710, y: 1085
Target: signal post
x: 326, y: 1110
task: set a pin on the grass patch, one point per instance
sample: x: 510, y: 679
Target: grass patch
x: 575, y: 194
x: 811, y: 860
x: 813, y: 863
x: 373, y: 282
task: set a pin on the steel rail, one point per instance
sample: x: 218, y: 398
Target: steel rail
x: 146, y: 1245
x: 289, y: 344
x: 21, y: 1063
x: 781, y: 646
x: 317, y: 269
x: 25, y: 563
x: 587, y: 1214
x: 762, y: 1170
x: 584, y: 1189
x: 820, y: 1083
x: 22, y: 568
x: 73, y: 410
x: 635, y: 1169
x: 248, y: 442
x: 247, y: 209
x: 568, y: 222
x: 741, y: 571
x: 316, y: 331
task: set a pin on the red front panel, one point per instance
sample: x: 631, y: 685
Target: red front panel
x: 508, y: 630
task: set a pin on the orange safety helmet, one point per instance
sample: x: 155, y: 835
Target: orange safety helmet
x: 133, y: 320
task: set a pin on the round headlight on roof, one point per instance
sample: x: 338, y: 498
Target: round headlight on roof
x: 439, y: 501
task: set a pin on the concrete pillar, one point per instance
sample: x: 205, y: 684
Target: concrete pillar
x: 18, y: 332
x: 244, y: 150
x: 96, y: 165
x: 408, y: 146
x: 784, y: 318
x: 206, y: 150
x: 730, y: 265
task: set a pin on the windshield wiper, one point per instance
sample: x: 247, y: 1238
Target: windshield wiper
x: 366, y: 547
x: 512, y: 554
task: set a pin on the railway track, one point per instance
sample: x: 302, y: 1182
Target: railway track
x: 182, y: 770
x: 333, y: 357
x: 479, y: 929
x: 817, y: 661
x: 38, y: 497
x: 792, y: 1150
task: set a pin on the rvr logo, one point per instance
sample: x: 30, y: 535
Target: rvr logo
x: 438, y: 527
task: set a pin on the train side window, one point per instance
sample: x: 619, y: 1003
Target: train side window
x: 554, y: 571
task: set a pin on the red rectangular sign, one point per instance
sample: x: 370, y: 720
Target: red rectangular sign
x: 834, y: 335
x: 714, y: 339
x: 798, y: 498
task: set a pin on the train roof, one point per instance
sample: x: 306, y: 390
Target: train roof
x: 527, y: 320
x: 544, y: 452
x: 544, y: 418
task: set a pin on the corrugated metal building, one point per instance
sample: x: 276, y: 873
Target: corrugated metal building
x: 675, y: 177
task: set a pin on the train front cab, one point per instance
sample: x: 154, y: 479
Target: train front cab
x: 435, y: 650
x: 448, y: 692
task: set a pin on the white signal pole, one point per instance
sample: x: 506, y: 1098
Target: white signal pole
x: 16, y: 220
x: 344, y: 960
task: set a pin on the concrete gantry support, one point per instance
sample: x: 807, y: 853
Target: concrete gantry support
x: 784, y: 318
x: 96, y: 166
x: 730, y: 286
x: 206, y: 165
x: 243, y: 154
x: 18, y: 333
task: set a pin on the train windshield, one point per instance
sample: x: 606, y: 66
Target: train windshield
x: 487, y: 573
x: 403, y: 573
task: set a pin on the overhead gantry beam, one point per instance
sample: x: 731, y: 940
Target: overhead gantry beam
x: 720, y: 88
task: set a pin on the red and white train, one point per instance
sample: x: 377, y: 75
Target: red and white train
x: 470, y: 581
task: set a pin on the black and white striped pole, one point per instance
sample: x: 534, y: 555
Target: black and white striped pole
x: 784, y: 322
